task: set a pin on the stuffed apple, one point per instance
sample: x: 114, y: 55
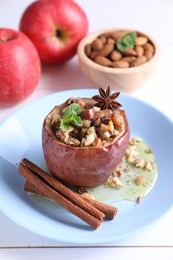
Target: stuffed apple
x: 84, y: 139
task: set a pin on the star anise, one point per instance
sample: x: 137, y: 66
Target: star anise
x: 106, y: 100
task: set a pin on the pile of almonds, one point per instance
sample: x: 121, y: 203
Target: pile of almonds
x: 103, y: 50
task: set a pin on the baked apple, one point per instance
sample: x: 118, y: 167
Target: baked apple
x: 84, y: 139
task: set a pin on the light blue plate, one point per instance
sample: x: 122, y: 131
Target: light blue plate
x: 20, y: 136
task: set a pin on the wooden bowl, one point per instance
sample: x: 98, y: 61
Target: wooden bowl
x: 125, y: 80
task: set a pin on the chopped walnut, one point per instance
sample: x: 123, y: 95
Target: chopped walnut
x: 66, y: 138
x: 135, y: 140
x: 91, y: 136
x: 148, y: 150
x: 73, y: 141
x: 96, y: 109
x: 126, y: 169
x: 86, y: 123
x: 106, y: 135
x: 114, y: 182
x: 111, y: 126
x: 139, y: 163
x: 118, y: 170
x: 98, y: 142
x: 140, y: 180
x: 117, y: 122
x: 131, y: 151
x: 117, y: 173
x: 130, y: 160
x: 103, y: 128
x: 149, y: 165
x: 87, y: 195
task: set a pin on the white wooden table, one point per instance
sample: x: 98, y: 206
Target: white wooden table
x: 154, y: 17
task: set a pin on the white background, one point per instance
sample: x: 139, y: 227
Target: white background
x: 153, y: 17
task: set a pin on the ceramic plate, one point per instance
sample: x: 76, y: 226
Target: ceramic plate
x: 20, y: 136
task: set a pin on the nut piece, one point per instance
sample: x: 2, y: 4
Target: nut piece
x: 97, y: 45
x: 88, y: 49
x: 110, y: 40
x: 140, y: 180
x: 148, y: 47
x: 116, y: 35
x: 103, y: 38
x: 114, y: 182
x: 139, y: 50
x: 116, y: 56
x: 88, y: 196
x: 149, y: 166
x: 141, y: 40
x: 120, y: 64
x: 93, y: 54
x: 139, y: 163
x: 130, y: 52
x: 129, y: 58
x: 135, y: 140
x: 107, y: 49
x: 103, y: 61
x: 139, y: 61
x: 148, y: 54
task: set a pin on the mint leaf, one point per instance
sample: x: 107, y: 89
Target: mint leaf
x: 64, y: 127
x: 127, y: 41
x: 77, y: 121
x: 71, y: 116
x: 73, y: 108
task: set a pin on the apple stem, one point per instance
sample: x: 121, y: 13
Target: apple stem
x: 59, y: 33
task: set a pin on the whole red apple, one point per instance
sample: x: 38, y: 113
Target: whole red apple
x: 55, y: 27
x: 20, y: 67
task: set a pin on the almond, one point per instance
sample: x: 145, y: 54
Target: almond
x: 139, y: 61
x: 116, y: 35
x: 110, y: 40
x: 148, y: 54
x: 139, y: 50
x: 106, y: 50
x: 130, y: 52
x: 148, y: 47
x: 141, y: 40
x: 93, y: 54
x: 103, y: 38
x: 97, y: 45
x: 129, y: 58
x: 116, y: 55
x: 102, y: 61
x: 120, y: 64
x: 88, y: 50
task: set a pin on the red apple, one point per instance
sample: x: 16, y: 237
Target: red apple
x: 82, y: 166
x: 20, y: 67
x: 55, y: 27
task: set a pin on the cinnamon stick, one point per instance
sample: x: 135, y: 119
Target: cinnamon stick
x: 60, y: 193
x: 108, y: 210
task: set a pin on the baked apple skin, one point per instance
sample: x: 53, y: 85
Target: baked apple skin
x: 82, y: 166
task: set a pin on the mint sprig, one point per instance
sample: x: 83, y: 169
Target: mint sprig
x: 71, y: 116
x: 127, y: 41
